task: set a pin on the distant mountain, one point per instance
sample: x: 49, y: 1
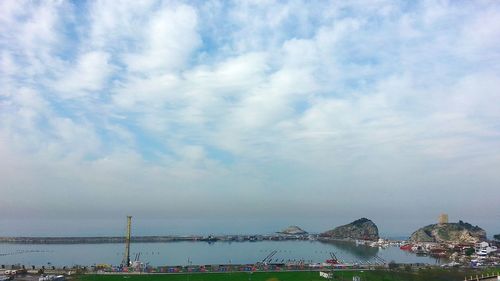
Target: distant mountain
x: 293, y: 230
x: 362, y: 229
x: 449, y: 232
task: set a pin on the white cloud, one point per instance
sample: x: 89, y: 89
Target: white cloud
x: 248, y: 100
x: 151, y: 92
x: 89, y: 75
x: 32, y: 33
x: 8, y: 67
x: 112, y: 24
x: 170, y: 37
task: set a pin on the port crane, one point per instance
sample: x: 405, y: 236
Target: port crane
x: 334, y: 259
x: 269, y: 258
x: 126, y: 256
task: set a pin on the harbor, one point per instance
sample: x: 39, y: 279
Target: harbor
x: 291, y: 250
x: 354, y: 245
x: 200, y: 252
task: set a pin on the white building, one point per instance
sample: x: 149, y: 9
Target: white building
x: 484, y: 249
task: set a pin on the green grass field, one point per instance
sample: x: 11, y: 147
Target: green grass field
x: 379, y: 275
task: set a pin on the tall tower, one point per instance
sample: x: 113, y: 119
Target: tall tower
x: 443, y: 218
x: 126, y: 257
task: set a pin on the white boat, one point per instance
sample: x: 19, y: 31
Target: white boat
x: 52, y: 278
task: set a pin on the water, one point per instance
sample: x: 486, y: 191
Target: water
x: 179, y: 253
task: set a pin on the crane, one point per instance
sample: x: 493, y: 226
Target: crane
x: 126, y: 257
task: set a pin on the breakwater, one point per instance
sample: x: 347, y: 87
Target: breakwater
x: 90, y: 240
x: 146, y: 239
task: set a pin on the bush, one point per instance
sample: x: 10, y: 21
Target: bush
x: 469, y: 251
x: 393, y: 265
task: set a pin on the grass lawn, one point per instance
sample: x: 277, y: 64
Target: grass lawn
x: 379, y: 275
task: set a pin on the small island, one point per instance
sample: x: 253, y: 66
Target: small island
x: 460, y: 232
x: 361, y: 229
x: 293, y: 230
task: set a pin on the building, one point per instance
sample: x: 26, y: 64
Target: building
x: 443, y: 218
x: 484, y: 249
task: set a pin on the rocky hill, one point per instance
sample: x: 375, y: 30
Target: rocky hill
x: 293, y: 230
x: 363, y: 229
x: 449, y: 232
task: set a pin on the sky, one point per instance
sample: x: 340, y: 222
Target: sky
x: 247, y: 116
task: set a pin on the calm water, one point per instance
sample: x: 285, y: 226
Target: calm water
x: 178, y: 253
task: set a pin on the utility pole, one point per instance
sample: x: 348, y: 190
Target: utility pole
x: 126, y: 258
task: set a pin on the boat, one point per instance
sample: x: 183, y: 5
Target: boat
x: 420, y: 251
x: 52, y: 278
x: 406, y: 247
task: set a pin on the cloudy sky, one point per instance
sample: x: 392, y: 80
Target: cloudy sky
x: 220, y: 116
